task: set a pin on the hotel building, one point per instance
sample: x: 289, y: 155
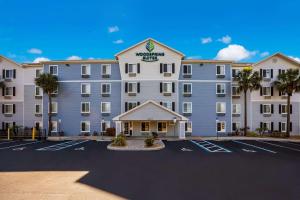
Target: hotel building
x: 148, y: 87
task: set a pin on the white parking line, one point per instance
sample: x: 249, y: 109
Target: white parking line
x: 7, y: 142
x: 210, y: 147
x: 277, y: 145
x: 61, y: 146
x: 20, y: 145
x: 251, y: 145
x: 298, y: 145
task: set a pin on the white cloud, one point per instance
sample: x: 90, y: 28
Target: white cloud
x: 206, y: 40
x: 264, y: 54
x: 235, y: 52
x: 225, y: 39
x: 34, y: 51
x: 120, y: 41
x: 295, y: 58
x: 74, y: 58
x: 113, y: 29
x: 193, y: 57
x: 40, y: 59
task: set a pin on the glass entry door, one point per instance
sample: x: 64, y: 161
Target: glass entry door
x: 128, y: 128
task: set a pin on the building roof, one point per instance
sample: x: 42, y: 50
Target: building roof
x: 80, y: 61
x: 281, y: 56
x: 121, y: 52
x: 186, y: 61
x: 9, y: 60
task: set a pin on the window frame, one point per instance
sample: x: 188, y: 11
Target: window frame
x: 221, y: 131
x: 285, y: 105
x: 88, y: 88
x: 222, y: 84
x: 41, y: 109
x: 191, y: 107
x: 145, y: 131
x: 163, y: 87
x: 56, y: 126
x: 53, y: 103
x: 38, y: 74
x: 164, y: 122
x: 191, y: 69
x: 89, y: 107
x: 132, y: 83
x: 12, y: 109
x: 285, y: 127
x: 131, y: 102
x: 265, y: 71
x: 106, y: 102
x: 238, y: 93
x: 166, y: 103
x: 263, y: 91
x: 186, y: 128
x: 239, y: 125
x: 40, y: 90
x: 191, y: 86
x: 220, y: 107
x: 102, y: 84
x: 88, y: 69
x: 108, y: 69
x: 267, y: 113
x: 222, y: 72
x: 50, y: 66
x: 236, y: 105
x: 107, y: 125
x: 134, y: 68
x: 5, y: 90
x: 89, y: 126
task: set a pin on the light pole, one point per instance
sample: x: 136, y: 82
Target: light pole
x: 174, y: 121
x: 59, y: 122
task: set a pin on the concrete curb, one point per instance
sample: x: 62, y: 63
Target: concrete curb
x: 127, y: 148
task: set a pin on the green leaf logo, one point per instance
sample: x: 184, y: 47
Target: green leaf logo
x: 150, y: 46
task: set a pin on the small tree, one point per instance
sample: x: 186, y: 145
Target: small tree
x: 248, y: 81
x: 288, y: 83
x: 49, y: 84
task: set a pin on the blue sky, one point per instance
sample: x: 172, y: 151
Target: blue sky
x: 239, y: 30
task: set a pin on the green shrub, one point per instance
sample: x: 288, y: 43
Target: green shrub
x: 119, y: 141
x: 149, y: 141
x: 252, y: 134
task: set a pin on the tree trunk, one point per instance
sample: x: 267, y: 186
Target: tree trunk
x: 50, y: 115
x: 288, y: 117
x: 245, y: 113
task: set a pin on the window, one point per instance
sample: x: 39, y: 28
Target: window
x: 38, y: 72
x: 221, y: 107
x: 132, y: 68
x: 187, y: 107
x: 85, y: 70
x: 266, y: 91
x: 283, y: 108
x: 9, y: 73
x: 167, y: 87
x: 283, y: 127
x: 85, y: 88
x: 221, y: 126
x: 38, y: 91
x: 85, y: 126
x: 220, y: 70
x: 188, y: 127
x: 105, y: 88
x: 220, y: 88
x: 162, y: 126
x: 105, y: 107
x: 266, y: 125
x: 235, y: 91
x: 53, y: 69
x: 167, y: 104
x: 105, y: 125
x: 106, y: 69
x: 85, y: 107
x: 8, y: 108
x: 267, y: 109
x: 187, y: 88
x: 54, y: 126
x: 54, y: 108
x: 131, y: 105
x: 145, y: 126
x: 132, y: 87
x: 38, y: 109
x: 9, y: 91
x: 236, y: 108
x: 167, y: 68
x: 266, y: 73
x: 187, y: 70
x: 236, y: 126
x: 235, y: 73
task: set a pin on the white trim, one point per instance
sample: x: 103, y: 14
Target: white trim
x: 128, y: 80
x: 218, y: 121
x: 265, y: 95
x: 236, y: 104
x: 191, y: 84
x: 281, y: 108
x: 55, y: 122
x: 52, y: 107
x: 263, y: 110
x: 281, y: 127
x: 109, y: 65
x: 239, y: 125
x: 136, y: 88
x: 12, y: 91
x: 88, y: 88
x: 40, y: 90
x: 182, y: 65
x: 223, y: 72
x: 224, y: 88
x: 12, y: 109
x: 41, y: 109
x: 102, y: 88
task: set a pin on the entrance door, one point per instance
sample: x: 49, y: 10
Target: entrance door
x: 128, y: 128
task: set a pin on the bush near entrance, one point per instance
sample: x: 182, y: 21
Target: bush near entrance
x: 119, y: 141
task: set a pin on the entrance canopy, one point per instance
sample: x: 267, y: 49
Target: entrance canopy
x: 150, y: 111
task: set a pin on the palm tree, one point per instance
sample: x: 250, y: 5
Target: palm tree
x: 248, y: 81
x: 287, y: 83
x: 49, y: 84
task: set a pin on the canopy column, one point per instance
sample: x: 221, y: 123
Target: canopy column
x: 181, y: 129
x: 118, y: 127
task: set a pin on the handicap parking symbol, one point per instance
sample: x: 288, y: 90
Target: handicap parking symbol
x: 79, y: 149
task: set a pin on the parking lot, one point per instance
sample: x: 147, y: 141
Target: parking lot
x: 191, y: 169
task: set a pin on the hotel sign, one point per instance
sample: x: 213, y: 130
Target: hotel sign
x: 150, y: 56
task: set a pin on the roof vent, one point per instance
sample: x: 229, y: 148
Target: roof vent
x: 68, y: 65
x: 201, y: 64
